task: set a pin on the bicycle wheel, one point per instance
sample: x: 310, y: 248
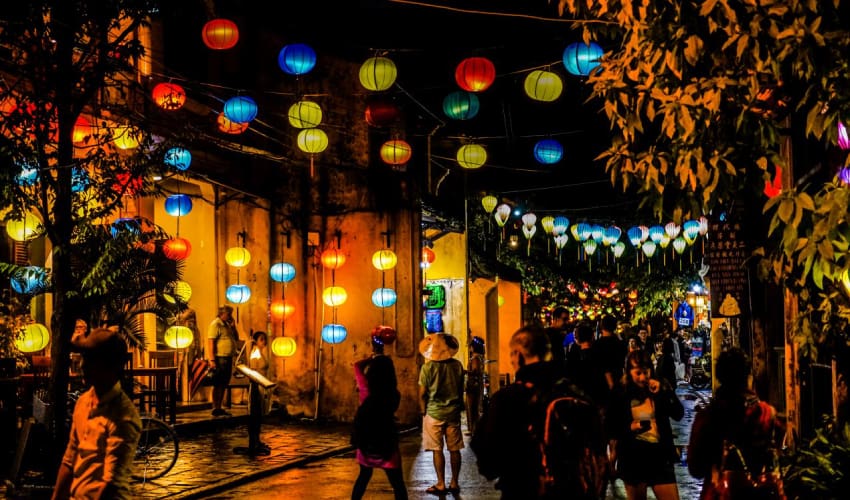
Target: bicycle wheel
x: 157, y: 451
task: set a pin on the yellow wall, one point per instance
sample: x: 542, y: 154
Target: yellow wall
x: 450, y: 264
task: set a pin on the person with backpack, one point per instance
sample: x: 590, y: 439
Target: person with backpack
x: 638, y: 421
x: 537, y: 436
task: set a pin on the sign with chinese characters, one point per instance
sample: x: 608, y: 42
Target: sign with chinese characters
x: 726, y: 254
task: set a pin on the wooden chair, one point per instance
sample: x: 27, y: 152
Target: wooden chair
x: 158, y: 393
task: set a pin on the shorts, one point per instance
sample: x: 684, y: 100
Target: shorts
x: 223, y: 371
x: 647, y: 463
x: 435, y: 431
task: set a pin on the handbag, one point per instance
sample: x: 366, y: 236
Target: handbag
x: 727, y: 483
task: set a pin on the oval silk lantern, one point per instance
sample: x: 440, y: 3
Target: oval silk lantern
x: 238, y: 294
x: 169, y: 96
x: 125, y: 137
x: 29, y: 280
x: 283, y: 347
x: 182, y: 290
x: 475, y: 74
x: 237, y: 256
x: 543, y: 86
x: 82, y: 130
x: 281, y: 309
x: 334, y: 296
x: 489, y: 203
x: 548, y: 151
x: 460, y: 105
x: 229, y: 127
x: 178, y: 337
x: 176, y: 248
x: 384, y: 260
x: 384, y: 297
x: 24, y: 228
x: 471, y: 156
x: 305, y: 114
x: 220, y: 34
x: 382, y: 112
x: 34, y: 337
x: 178, y: 205
x: 580, y: 58
x: 396, y: 152
x: 296, y: 59
x: 333, y: 258
x: 333, y: 333
x: 179, y: 158
x: 378, y: 73
x: 312, y: 140
x: 282, y: 272
x: 240, y: 109
x: 428, y: 255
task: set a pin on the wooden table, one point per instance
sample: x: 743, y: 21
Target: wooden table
x: 160, y: 392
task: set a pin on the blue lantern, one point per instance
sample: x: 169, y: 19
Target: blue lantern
x: 79, y: 179
x: 28, y: 175
x: 296, y: 59
x: 460, y: 105
x: 384, y: 297
x: 179, y: 158
x: 282, y: 272
x: 29, y: 280
x: 178, y: 205
x: 125, y: 224
x: 238, y: 294
x: 548, y: 151
x: 334, y: 333
x: 240, y: 109
x: 580, y: 59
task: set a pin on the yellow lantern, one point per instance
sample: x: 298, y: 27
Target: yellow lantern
x: 396, y: 152
x: 312, y: 140
x: 489, y: 202
x: 237, y: 256
x: 179, y: 337
x: 378, y: 73
x: 384, y: 259
x: 305, y: 114
x: 125, y: 137
x: 34, y: 338
x: 283, y: 347
x: 471, y: 156
x: 334, y: 296
x: 181, y: 290
x: 548, y: 224
x: 26, y: 228
x: 543, y: 85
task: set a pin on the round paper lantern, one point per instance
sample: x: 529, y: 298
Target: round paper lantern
x: 384, y: 297
x: 312, y: 140
x: 282, y: 272
x: 169, y: 96
x: 382, y: 112
x: 296, y: 59
x: 460, y: 105
x: 178, y: 337
x: 333, y: 333
x: 471, y: 156
x: 548, y: 151
x: 25, y: 228
x: 128, y: 184
x: 178, y: 205
x: 240, y: 109
x: 333, y: 258
x: 237, y: 256
x: 489, y: 203
x: 843, y: 138
x: 122, y: 224
x: 220, y: 34
x: 396, y: 152
x: 580, y: 58
x: 29, y: 280
x: 229, y: 127
x: 179, y: 158
x: 378, y: 73
x: 33, y: 338
x: 181, y: 290
x: 283, y: 347
x: 543, y: 85
x: 428, y: 255
x: 305, y: 114
x: 386, y: 334
x: 238, y: 294
x: 475, y: 74
x: 384, y: 260
x: 176, y: 248
x: 281, y: 309
x: 82, y: 130
x: 125, y: 137
x: 334, y: 296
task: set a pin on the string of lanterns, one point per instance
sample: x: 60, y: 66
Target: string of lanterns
x: 333, y: 296
x: 281, y: 309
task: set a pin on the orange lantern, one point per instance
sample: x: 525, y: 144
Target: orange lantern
x: 82, y: 129
x: 169, y: 96
x: 281, y: 309
x: 428, y: 256
x: 220, y: 34
x: 396, y: 152
x: 475, y: 74
x: 177, y: 248
x: 333, y: 258
x: 229, y: 127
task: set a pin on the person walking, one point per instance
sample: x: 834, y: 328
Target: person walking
x: 441, y: 405
x: 258, y: 360
x: 557, y: 335
x: 474, y: 383
x: 105, y: 426
x: 222, y: 341
x: 375, y: 435
x: 638, y: 421
x: 609, y: 352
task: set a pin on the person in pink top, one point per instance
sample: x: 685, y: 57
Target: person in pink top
x: 375, y: 435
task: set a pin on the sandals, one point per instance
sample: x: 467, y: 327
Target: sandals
x: 453, y: 491
x: 436, y: 491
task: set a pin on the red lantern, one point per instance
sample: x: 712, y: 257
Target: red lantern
x: 475, y: 74
x: 177, y: 248
x: 333, y: 258
x: 428, y: 255
x: 127, y: 183
x: 382, y: 112
x: 772, y: 189
x: 82, y: 129
x: 229, y: 127
x: 169, y: 96
x: 220, y: 34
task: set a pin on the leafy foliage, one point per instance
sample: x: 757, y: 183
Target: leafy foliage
x: 819, y: 470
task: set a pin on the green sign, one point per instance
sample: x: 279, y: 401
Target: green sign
x: 436, y: 298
